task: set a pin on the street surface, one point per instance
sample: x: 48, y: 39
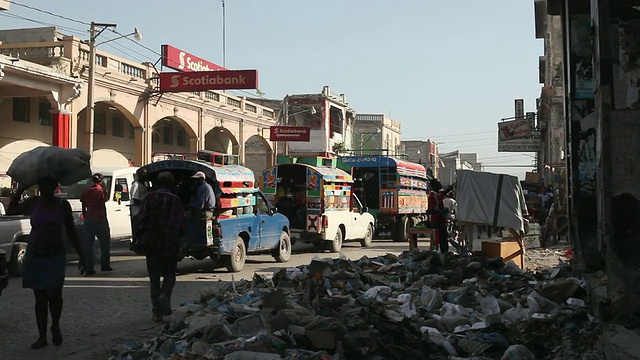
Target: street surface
x: 111, y: 308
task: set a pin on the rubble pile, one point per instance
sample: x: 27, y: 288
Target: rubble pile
x: 416, y: 305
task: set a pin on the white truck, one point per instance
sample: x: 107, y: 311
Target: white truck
x: 319, y: 204
x: 15, y: 230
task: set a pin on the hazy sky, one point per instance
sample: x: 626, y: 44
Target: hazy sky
x: 446, y: 70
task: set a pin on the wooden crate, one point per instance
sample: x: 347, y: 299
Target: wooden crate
x: 508, y: 250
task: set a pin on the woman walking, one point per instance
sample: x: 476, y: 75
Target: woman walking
x: 45, y: 260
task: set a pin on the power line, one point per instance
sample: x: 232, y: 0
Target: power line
x: 451, y: 135
x: 137, y: 43
x: 49, y: 13
x: 76, y: 21
x: 14, y: 16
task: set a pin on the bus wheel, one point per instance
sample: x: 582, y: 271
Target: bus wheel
x: 401, y: 229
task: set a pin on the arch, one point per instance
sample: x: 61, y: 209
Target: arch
x: 220, y: 139
x: 185, y: 125
x: 258, y: 154
x: 111, y: 131
x: 10, y: 151
x: 108, y: 158
x: 172, y: 134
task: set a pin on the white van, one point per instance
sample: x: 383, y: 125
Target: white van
x: 118, y: 182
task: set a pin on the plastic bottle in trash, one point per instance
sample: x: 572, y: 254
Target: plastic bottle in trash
x: 489, y: 305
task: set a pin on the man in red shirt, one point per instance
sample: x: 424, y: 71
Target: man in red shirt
x: 96, y: 225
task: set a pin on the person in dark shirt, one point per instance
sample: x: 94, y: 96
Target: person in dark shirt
x: 45, y: 258
x: 96, y: 225
x: 161, y: 219
x: 436, y: 212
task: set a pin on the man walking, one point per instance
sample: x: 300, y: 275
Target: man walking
x: 162, y: 216
x: 96, y: 225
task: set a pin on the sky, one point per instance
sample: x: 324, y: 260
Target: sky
x: 446, y: 70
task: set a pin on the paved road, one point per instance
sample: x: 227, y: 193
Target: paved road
x: 113, y: 307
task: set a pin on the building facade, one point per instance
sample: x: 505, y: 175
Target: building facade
x: 425, y: 153
x: 375, y: 132
x: 456, y: 161
x: 133, y: 123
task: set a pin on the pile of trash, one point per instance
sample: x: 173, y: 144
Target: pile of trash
x: 411, y: 306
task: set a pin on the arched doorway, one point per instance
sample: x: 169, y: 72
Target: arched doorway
x: 258, y: 155
x: 220, y: 139
x: 172, y: 135
x: 114, y: 128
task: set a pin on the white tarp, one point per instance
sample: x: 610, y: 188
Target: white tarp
x: 491, y: 199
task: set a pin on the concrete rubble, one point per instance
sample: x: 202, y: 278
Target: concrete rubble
x: 416, y: 305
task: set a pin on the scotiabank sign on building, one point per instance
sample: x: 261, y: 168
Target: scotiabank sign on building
x: 208, y: 80
x: 177, y: 59
x: 290, y: 133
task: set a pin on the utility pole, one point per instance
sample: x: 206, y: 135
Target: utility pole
x: 93, y: 34
x: 224, y: 36
x: 89, y: 123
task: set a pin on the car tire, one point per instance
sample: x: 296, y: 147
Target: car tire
x: 336, y: 244
x: 18, y: 252
x: 235, y: 261
x: 283, y: 252
x: 368, y: 237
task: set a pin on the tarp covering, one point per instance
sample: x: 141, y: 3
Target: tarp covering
x: 492, y: 199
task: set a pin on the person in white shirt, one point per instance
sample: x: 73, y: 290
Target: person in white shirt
x: 2, y: 211
x: 450, y: 203
x: 137, y: 193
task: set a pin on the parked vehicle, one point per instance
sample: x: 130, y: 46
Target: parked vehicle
x: 15, y: 230
x: 14, y: 235
x: 117, y: 182
x: 319, y: 204
x: 4, y: 273
x: 395, y: 191
x: 244, y: 221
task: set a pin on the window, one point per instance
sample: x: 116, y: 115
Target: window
x: 100, y: 123
x: 117, y: 126
x: 44, y: 113
x: 262, y: 204
x: 132, y: 131
x: 182, y: 137
x: 167, y: 134
x: 21, y: 109
x: 155, y: 136
x: 121, y: 190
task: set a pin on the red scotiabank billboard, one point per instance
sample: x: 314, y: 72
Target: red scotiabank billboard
x: 290, y: 133
x: 208, y: 80
x: 177, y: 59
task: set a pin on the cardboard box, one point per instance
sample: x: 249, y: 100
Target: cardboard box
x: 532, y: 177
x: 508, y: 250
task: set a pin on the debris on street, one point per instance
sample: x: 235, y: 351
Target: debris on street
x: 415, y: 305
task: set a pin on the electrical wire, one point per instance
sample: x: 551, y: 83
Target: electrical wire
x: 72, y: 30
x: 451, y: 135
x: 49, y: 13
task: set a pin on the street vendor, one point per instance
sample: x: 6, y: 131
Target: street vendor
x: 436, y: 212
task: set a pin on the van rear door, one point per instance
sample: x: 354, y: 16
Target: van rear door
x: 118, y: 207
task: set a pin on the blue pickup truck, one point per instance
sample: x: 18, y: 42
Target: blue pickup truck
x: 243, y: 222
